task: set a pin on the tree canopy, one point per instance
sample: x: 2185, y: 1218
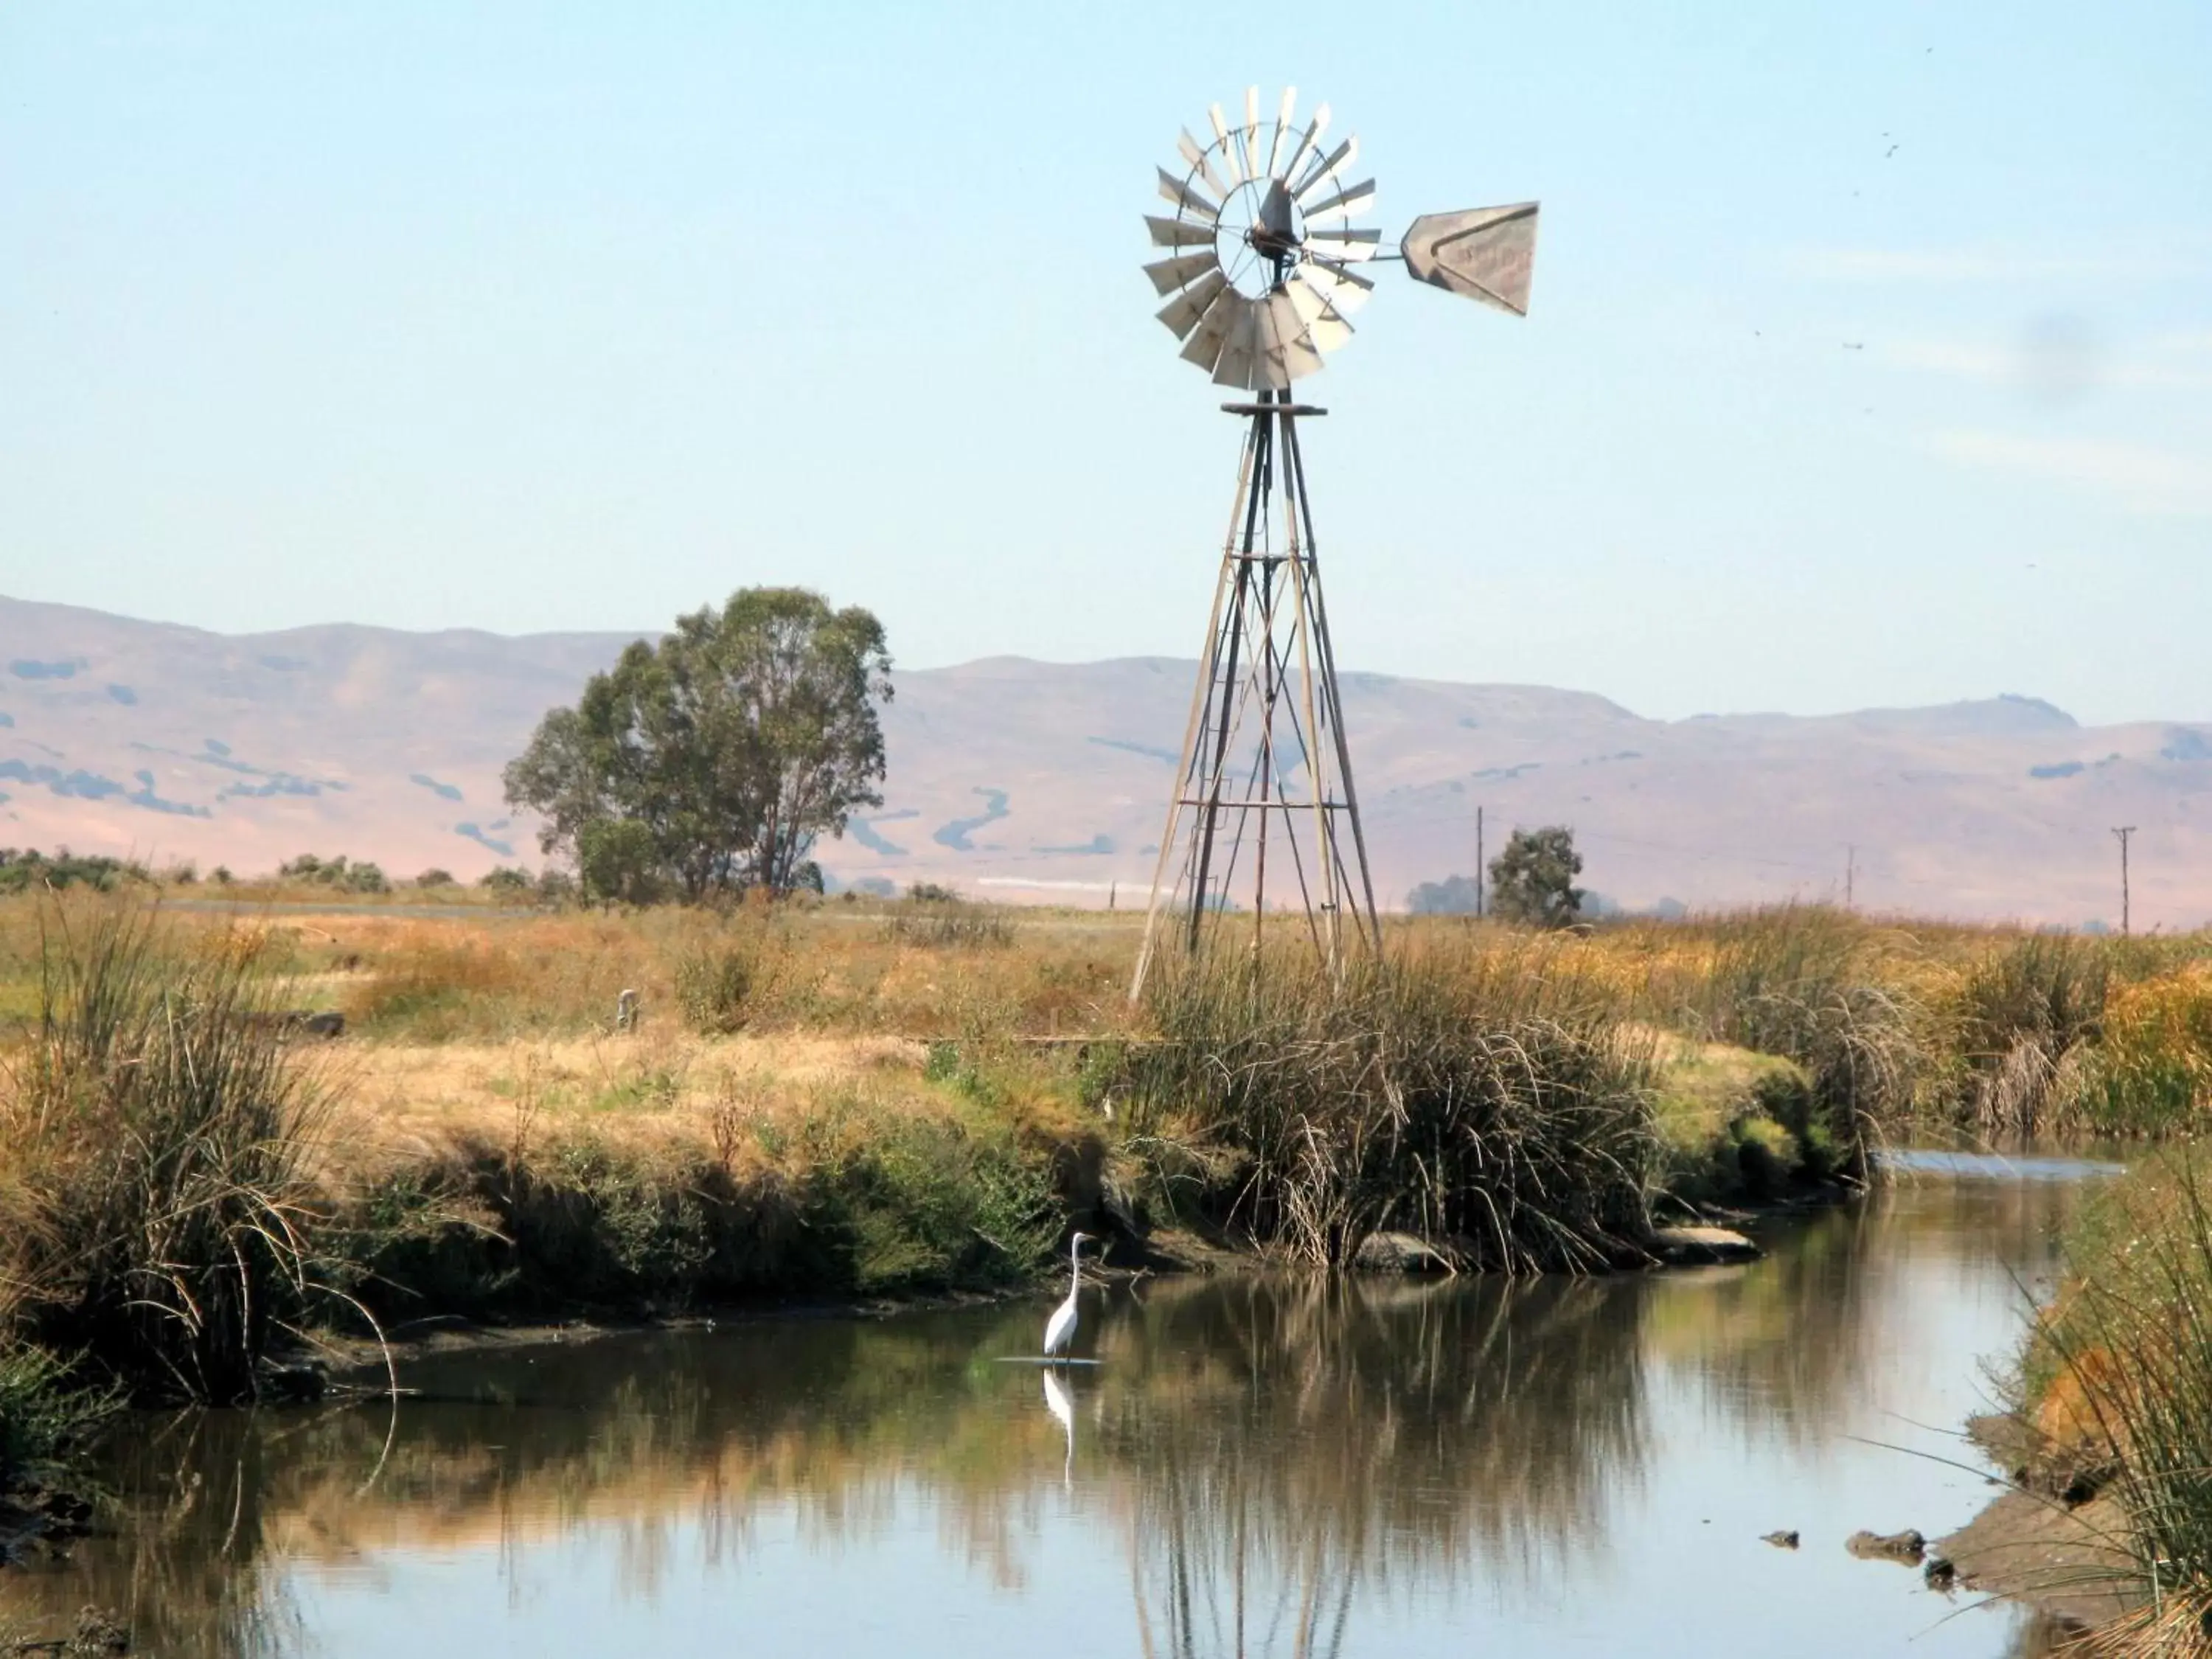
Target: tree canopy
x: 1454, y: 895
x: 1533, y: 879
x: 714, y: 760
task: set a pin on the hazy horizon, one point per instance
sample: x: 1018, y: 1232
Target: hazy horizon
x: 1191, y: 659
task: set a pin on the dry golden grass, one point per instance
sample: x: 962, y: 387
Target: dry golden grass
x: 410, y: 1100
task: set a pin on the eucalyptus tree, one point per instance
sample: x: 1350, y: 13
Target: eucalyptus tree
x: 713, y: 760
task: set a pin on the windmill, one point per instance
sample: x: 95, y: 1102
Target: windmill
x: 1263, y: 267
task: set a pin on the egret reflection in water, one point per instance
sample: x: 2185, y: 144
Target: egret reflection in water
x: 1058, y: 1402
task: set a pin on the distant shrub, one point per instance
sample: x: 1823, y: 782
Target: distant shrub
x: 340, y: 872
x: 28, y: 868
x: 434, y: 876
x: 504, y: 880
x: 954, y: 924
x: 931, y: 892
x: 1454, y: 895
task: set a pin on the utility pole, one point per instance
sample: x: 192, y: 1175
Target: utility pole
x: 2123, y: 831
x: 1481, y: 875
x: 1851, y: 875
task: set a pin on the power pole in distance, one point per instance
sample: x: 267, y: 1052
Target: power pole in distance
x: 1851, y: 875
x: 2123, y: 831
x: 1481, y: 875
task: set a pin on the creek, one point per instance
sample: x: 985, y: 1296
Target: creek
x: 1259, y: 1464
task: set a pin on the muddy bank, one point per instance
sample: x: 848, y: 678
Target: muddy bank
x: 2055, y: 1541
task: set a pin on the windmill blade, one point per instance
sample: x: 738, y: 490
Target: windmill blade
x: 1221, y: 142
x: 1358, y: 200
x: 1192, y: 152
x: 1184, y: 197
x: 1234, y: 367
x: 1306, y: 144
x: 1301, y: 358
x: 1178, y: 233
x: 1204, y: 346
x: 1247, y: 135
x: 1268, y: 371
x: 1169, y: 275
x: 1282, y: 130
x: 1183, y: 314
x: 1287, y: 352
x: 1325, y: 329
x: 1345, y: 290
x: 1486, y: 254
x: 1336, y: 160
x: 1346, y: 247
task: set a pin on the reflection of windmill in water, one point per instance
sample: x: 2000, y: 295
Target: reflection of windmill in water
x: 1263, y: 267
x: 1324, y: 1442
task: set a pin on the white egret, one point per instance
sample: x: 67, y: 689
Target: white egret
x: 1060, y: 1329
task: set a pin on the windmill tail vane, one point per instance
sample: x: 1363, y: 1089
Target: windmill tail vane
x: 1261, y: 268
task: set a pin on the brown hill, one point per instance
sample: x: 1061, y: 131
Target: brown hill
x: 1037, y: 780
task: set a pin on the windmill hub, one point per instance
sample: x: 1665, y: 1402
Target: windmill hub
x: 1262, y: 268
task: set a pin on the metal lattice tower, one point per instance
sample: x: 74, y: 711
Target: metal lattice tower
x: 1261, y: 273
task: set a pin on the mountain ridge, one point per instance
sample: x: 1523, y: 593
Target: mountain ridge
x: 1027, y: 779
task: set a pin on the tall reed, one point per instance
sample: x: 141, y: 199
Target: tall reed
x: 2122, y: 1369
x: 162, y: 1134
x: 1805, y: 983
x: 2024, y: 1012
x: 1460, y: 1091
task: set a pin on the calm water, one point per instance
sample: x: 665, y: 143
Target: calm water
x: 1272, y: 1466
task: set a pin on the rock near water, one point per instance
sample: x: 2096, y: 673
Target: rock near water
x: 1685, y: 1247
x: 1906, y: 1548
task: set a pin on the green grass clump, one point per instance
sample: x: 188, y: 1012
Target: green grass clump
x: 853, y: 1197
x: 46, y: 1413
x: 1735, y: 1125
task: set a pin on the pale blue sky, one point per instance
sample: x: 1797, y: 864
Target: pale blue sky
x: 526, y: 317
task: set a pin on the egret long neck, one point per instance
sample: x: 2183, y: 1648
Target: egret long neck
x: 1074, y: 1265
